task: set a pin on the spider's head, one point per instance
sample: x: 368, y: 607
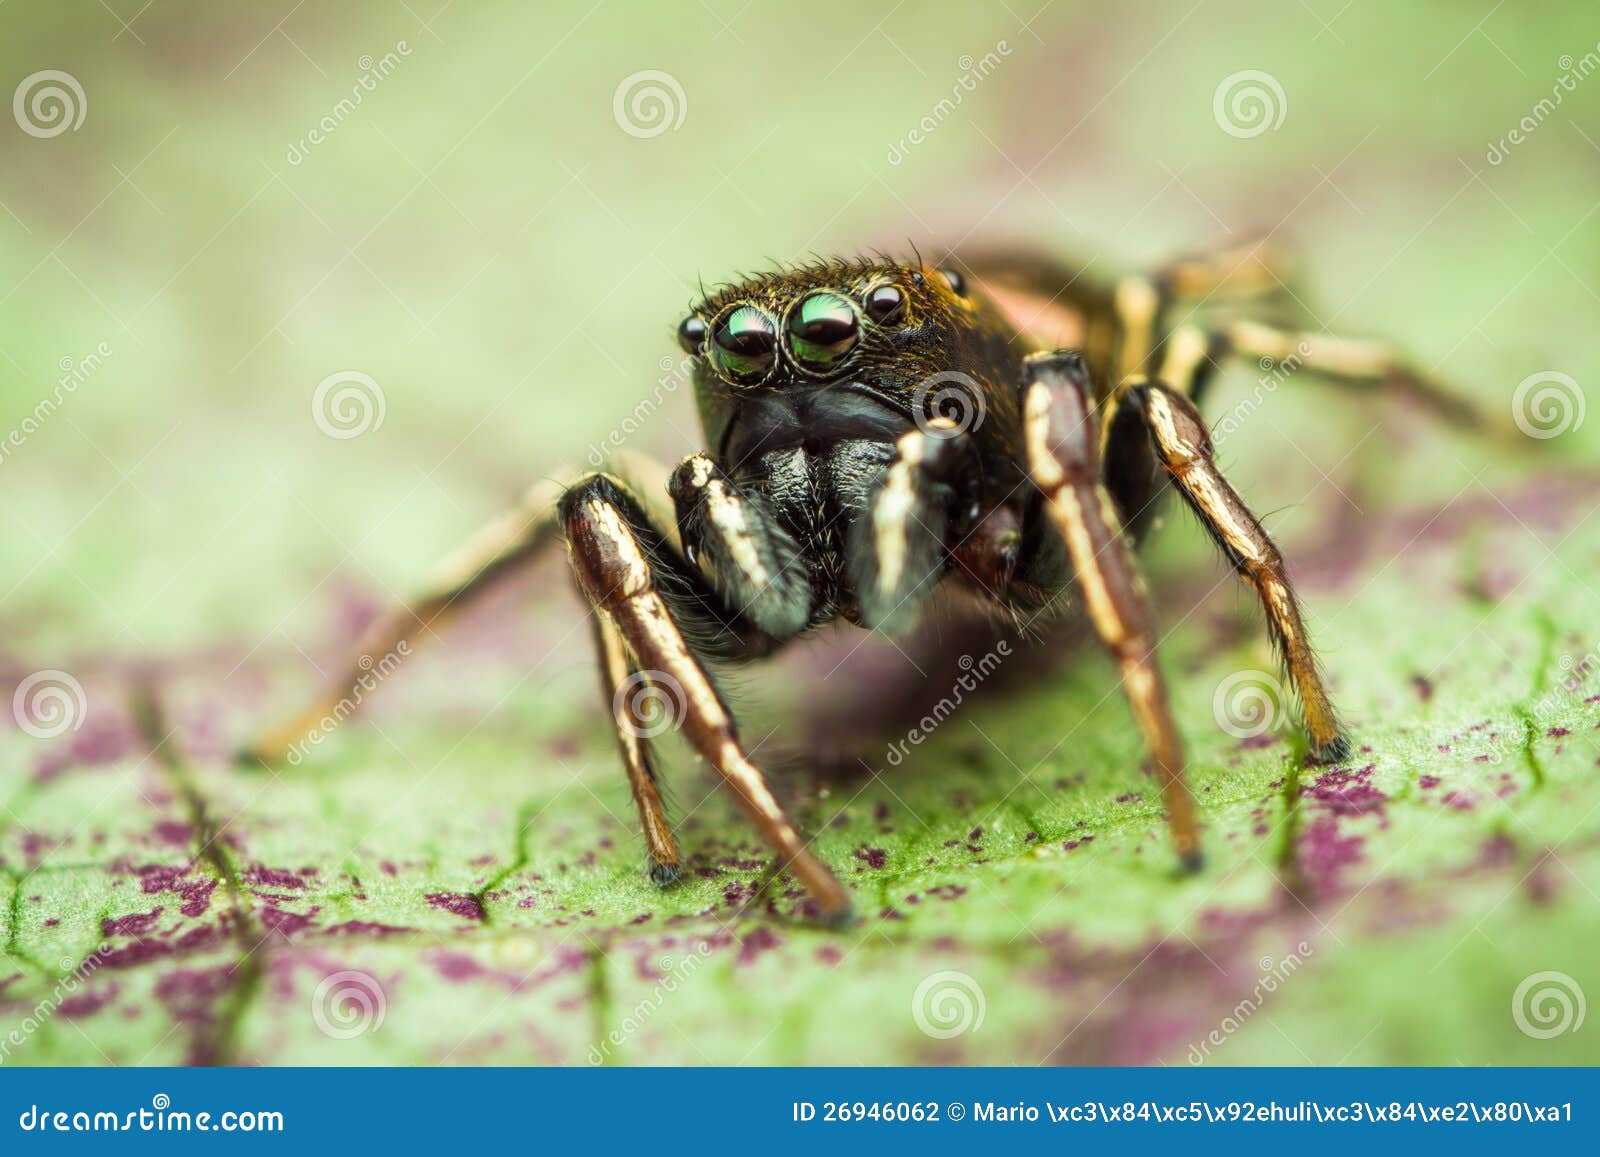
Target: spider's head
x: 873, y: 329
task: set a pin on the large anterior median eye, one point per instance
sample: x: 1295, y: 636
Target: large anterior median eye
x: 744, y: 344
x: 822, y: 329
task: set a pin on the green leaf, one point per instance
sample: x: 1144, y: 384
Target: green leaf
x: 457, y: 877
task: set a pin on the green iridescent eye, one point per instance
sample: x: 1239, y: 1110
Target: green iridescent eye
x: 744, y: 344
x: 822, y: 329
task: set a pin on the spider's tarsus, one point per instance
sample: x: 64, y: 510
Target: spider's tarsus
x: 665, y: 875
x: 250, y: 758
x: 840, y: 918
x: 1191, y: 863
x: 1335, y: 751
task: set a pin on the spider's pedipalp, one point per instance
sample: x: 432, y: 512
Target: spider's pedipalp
x: 899, y: 547
x: 751, y: 558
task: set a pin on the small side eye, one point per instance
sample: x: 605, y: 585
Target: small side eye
x: 692, y: 334
x: 885, y: 304
x: 744, y: 344
x: 957, y: 283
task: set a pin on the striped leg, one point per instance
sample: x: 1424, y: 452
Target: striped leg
x: 624, y: 687
x: 1192, y: 353
x: 1148, y: 343
x: 1063, y: 461
x: 513, y: 540
x: 625, y: 573
x: 1141, y: 304
x: 1250, y: 269
x: 1183, y: 446
x: 1353, y: 362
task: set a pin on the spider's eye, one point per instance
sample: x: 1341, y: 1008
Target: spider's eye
x: 822, y: 330
x: 957, y: 283
x: 886, y: 304
x: 692, y: 334
x: 744, y: 344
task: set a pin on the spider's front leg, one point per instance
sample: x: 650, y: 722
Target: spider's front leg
x: 1062, y: 448
x: 625, y: 689
x: 638, y: 583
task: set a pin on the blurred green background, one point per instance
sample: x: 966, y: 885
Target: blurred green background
x: 482, y: 238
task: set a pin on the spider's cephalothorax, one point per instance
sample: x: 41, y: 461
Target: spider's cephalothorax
x: 811, y: 384
x: 877, y: 428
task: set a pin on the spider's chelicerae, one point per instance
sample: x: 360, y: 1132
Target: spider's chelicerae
x: 875, y: 428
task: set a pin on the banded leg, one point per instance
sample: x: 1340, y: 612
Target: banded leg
x: 621, y: 686
x: 899, y: 547
x: 1250, y: 269
x: 1063, y: 460
x: 624, y: 572
x: 1141, y: 304
x: 1192, y: 353
x: 1183, y: 446
x: 509, y: 542
x: 1351, y: 361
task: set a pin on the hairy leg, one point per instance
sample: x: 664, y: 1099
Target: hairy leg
x: 622, y: 685
x: 1143, y: 304
x: 625, y: 573
x: 1183, y: 447
x: 1063, y: 461
x: 508, y: 543
x: 1189, y: 357
x: 1152, y: 342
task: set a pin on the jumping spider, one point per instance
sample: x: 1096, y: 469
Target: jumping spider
x: 1006, y: 424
